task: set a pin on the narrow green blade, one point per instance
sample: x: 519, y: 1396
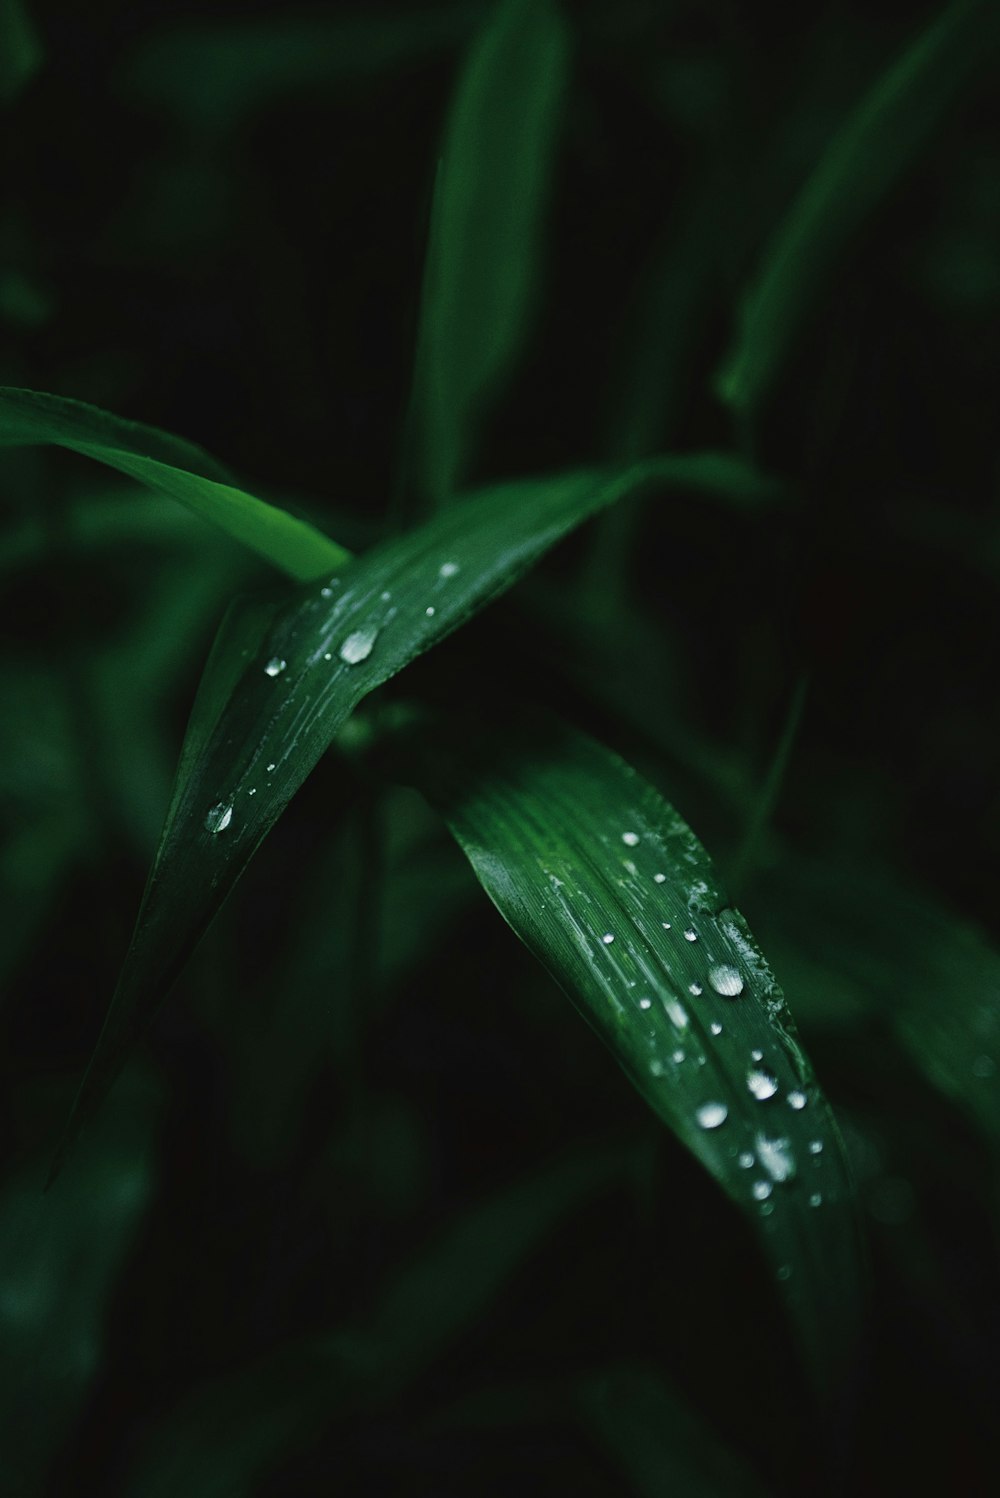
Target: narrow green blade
x: 284, y: 679
x: 486, y: 230
x: 867, y: 156
x: 171, y: 466
x: 611, y: 890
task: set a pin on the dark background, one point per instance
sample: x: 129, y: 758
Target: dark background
x: 214, y: 220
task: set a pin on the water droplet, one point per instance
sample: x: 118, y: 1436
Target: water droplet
x: 776, y: 1157
x: 447, y: 569
x: 983, y: 1066
x: 630, y: 839
x: 275, y: 666
x: 784, y: 1271
x: 762, y: 1190
x: 676, y: 1013
x: 726, y: 981
x: 715, y: 1027
x: 757, y: 1055
x: 645, y: 1003
x: 763, y: 1084
x: 711, y: 1115
x: 678, y: 1057
x: 815, y: 1146
x: 767, y: 1209
x: 271, y: 766
x: 629, y: 866
x: 816, y: 1200
x: 219, y: 818
x: 385, y: 596
x: 665, y: 925
x: 607, y: 938
x: 430, y: 611
x: 325, y: 592
x: 745, y: 1160
x: 656, y: 1068
x: 252, y: 791
x: 659, y: 878
x: 358, y: 646
x: 690, y: 935
x: 696, y: 989
x: 797, y: 1100
x: 328, y: 655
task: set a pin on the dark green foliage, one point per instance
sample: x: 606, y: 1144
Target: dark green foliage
x: 668, y: 332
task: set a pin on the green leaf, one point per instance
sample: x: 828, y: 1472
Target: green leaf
x: 486, y: 230
x: 285, y: 675
x: 171, y: 466
x: 611, y: 890
x: 863, y: 162
x: 21, y: 51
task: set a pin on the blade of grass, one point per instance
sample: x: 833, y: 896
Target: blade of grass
x: 765, y: 802
x: 285, y: 676
x: 173, y: 467
x: 611, y: 890
x: 485, y: 238
x: 866, y: 158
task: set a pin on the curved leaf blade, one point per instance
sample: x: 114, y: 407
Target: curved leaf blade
x: 286, y: 675
x: 486, y: 228
x: 611, y: 890
x: 170, y: 466
x: 872, y: 150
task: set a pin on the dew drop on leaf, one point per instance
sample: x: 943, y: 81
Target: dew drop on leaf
x: 762, y: 1190
x: 645, y: 1003
x: 630, y: 839
x: 690, y: 935
x: 608, y: 938
x: 762, y: 1083
x: 796, y: 1100
x: 275, y: 666
x: 745, y: 1160
x: 447, y: 569
x: 696, y: 989
x: 776, y: 1157
x: 715, y: 1027
x: 219, y: 818
x: 358, y: 646
x: 676, y: 1013
x: 711, y: 1115
x: 659, y: 878
x: 726, y: 981
x: 430, y: 611
x: 815, y: 1146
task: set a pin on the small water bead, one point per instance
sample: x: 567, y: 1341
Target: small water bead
x: 715, y: 1027
x: 678, y: 1057
x: 776, y: 1158
x: 659, y: 878
x: 447, y: 569
x: 275, y: 666
x: 608, y: 938
x: 797, y: 1100
x: 629, y: 866
x: 711, y: 1115
x: 219, y: 818
x: 762, y: 1190
x: 676, y: 1013
x: 430, y: 611
x: 326, y: 592
x: 816, y: 1200
x: 757, y: 1055
x: 745, y: 1160
x: 656, y: 1068
x: 696, y: 989
x: 690, y: 935
x: 645, y: 1003
x: 763, y: 1084
x: 767, y: 1209
x: 328, y: 655
x: 815, y: 1146
x: 784, y: 1271
x: 630, y: 839
x: 252, y: 791
x: 726, y: 981
x: 358, y: 646
x: 665, y: 925
x: 385, y: 596
x: 271, y: 766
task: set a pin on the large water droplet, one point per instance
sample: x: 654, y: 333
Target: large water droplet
x: 715, y: 1027
x: 275, y: 666
x: 776, y: 1157
x: 659, y: 878
x: 678, y: 1057
x: 690, y: 935
x: 762, y: 1083
x: 219, y: 818
x: 430, y: 611
x: 358, y: 646
x: 630, y: 839
x: 711, y: 1115
x: 645, y: 1003
x: 726, y: 981
x: 762, y: 1190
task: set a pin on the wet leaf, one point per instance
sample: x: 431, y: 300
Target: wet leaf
x: 610, y: 889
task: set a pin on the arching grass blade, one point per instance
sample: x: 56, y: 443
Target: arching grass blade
x: 611, y: 890
x: 173, y: 467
